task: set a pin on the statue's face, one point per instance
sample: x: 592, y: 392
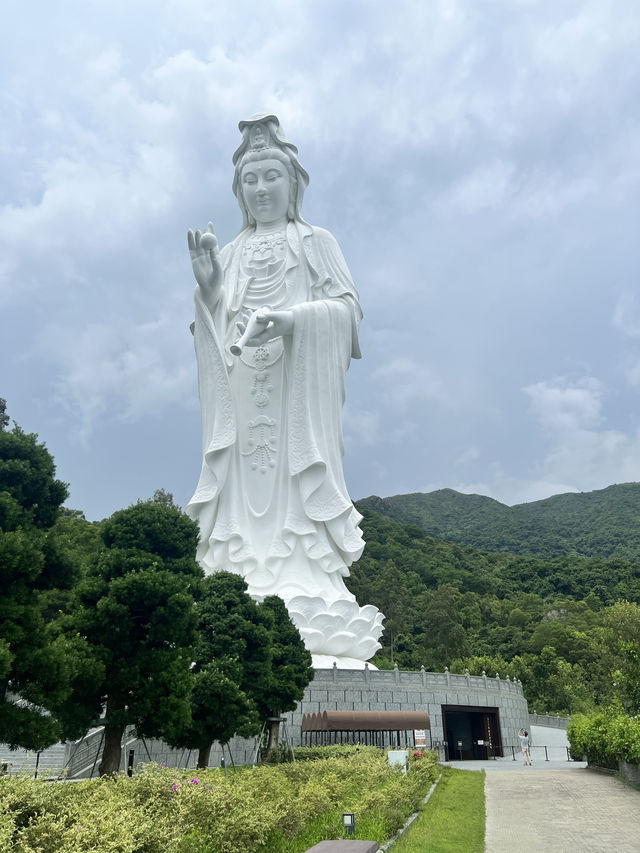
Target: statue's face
x: 265, y: 188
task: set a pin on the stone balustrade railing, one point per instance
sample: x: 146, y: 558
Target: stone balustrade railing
x: 421, y: 678
x: 549, y: 721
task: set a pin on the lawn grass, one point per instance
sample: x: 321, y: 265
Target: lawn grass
x: 454, y: 818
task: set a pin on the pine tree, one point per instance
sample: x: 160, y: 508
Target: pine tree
x: 233, y: 658
x: 135, y: 610
x: 290, y: 671
x: 34, y: 668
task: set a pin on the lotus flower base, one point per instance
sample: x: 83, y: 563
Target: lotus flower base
x: 338, y: 631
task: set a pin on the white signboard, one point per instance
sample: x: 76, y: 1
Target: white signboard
x: 420, y: 737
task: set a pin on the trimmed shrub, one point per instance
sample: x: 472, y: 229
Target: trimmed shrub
x: 281, y: 809
x: 605, y: 738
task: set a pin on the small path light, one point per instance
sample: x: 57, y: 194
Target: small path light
x: 349, y: 821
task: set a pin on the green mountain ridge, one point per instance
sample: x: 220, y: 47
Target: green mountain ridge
x: 602, y: 523
x: 567, y: 625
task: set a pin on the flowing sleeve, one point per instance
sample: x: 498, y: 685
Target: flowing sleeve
x: 331, y: 278
x: 217, y: 411
x: 320, y: 352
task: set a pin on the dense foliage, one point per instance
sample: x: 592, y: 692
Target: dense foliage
x: 34, y: 669
x: 118, y: 613
x: 135, y: 612
x: 605, y: 738
x: 290, y: 671
x: 601, y: 523
x: 114, y: 621
x: 563, y: 626
x: 284, y: 809
x: 232, y: 659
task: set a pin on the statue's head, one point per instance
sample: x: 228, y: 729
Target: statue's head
x: 263, y: 139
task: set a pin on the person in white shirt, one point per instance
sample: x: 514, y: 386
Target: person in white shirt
x: 523, y: 737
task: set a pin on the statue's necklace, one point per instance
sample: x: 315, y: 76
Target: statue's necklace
x: 264, y: 262
x: 264, y: 251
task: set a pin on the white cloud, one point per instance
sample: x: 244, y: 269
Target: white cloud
x: 360, y: 426
x: 632, y: 372
x: 112, y: 371
x: 470, y: 455
x: 487, y: 187
x: 626, y: 315
x: 583, y: 453
x: 454, y: 147
x: 403, y: 380
x: 563, y: 407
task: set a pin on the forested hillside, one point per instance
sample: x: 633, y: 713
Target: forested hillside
x: 603, y: 523
x: 558, y: 624
x: 563, y: 625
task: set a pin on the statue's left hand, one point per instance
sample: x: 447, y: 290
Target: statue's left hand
x: 267, y: 325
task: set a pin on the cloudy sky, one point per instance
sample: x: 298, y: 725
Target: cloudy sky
x: 477, y: 160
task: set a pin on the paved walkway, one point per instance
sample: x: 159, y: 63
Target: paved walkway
x: 556, y: 809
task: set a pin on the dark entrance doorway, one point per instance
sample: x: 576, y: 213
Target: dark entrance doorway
x: 471, y: 733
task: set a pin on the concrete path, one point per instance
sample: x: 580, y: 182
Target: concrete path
x: 507, y: 765
x: 556, y: 810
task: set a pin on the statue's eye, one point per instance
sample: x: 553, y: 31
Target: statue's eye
x: 250, y: 178
x: 272, y: 175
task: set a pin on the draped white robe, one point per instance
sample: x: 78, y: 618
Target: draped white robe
x: 271, y: 502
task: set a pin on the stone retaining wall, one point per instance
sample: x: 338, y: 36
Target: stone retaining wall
x: 366, y: 690
x: 629, y: 772
x: 386, y: 690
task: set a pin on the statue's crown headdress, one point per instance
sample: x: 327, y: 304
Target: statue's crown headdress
x: 262, y: 132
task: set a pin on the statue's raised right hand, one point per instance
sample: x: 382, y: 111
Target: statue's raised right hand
x: 205, y: 259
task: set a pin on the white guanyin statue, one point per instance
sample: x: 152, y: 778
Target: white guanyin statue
x: 276, y: 325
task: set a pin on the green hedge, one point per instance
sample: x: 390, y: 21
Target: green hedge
x: 281, y: 809
x: 312, y: 753
x: 605, y: 738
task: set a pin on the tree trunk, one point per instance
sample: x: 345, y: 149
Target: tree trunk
x: 203, y: 757
x: 112, y: 751
x: 274, y: 733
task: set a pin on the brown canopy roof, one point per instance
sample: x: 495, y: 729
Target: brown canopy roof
x: 365, y: 721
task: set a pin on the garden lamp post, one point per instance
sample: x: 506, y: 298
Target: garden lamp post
x: 349, y: 821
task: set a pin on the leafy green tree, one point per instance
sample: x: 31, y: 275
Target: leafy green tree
x: 160, y: 496
x: 622, y: 637
x: 233, y: 659
x: 77, y: 542
x: 444, y: 623
x: 4, y: 417
x: 135, y: 610
x: 290, y: 671
x: 627, y: 677
x: 251, y: 666
x: 490, y: 665
x: 219, y: 710
x: 34, y: 667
